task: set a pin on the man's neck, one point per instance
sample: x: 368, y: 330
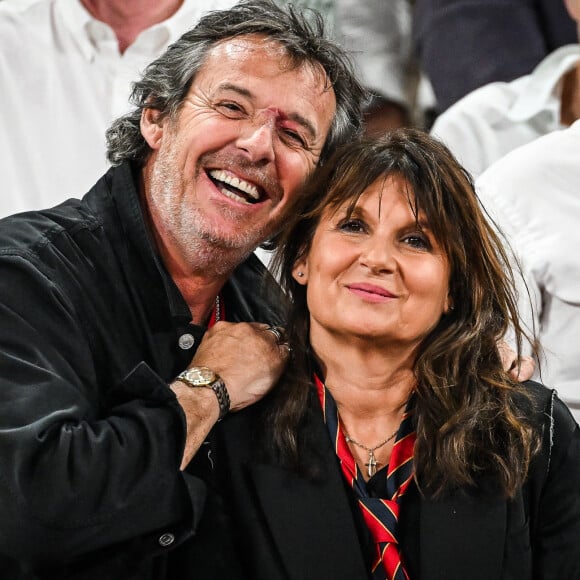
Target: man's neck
x: 128, y: 18
x: 200, y: 295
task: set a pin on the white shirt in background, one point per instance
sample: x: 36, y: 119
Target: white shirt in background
x: 62, y: 82
x: 491, y: 121
x: 533, y: 194
x: 379, y: 35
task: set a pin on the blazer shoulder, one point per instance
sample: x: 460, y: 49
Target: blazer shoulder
x: 557, y: 428
x: 549, y: 408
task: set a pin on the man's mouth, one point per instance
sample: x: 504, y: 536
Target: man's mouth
x: 235, y: 188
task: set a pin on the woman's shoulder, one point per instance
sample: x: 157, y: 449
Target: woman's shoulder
x: 548, y: 408
x: 551, y: 487
x: 559, y: 432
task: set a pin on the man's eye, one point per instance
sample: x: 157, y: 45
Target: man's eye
x: 294, y: 138
x: 231, y: 109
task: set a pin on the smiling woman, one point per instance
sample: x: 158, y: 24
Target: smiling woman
x: 399, y: 266
x: 375, y: 270
x: 396, y: 435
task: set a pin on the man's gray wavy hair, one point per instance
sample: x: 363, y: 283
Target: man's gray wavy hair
x: 166, y: 81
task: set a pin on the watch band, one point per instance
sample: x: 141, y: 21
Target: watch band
x: 223, y: 397
x: 217, y: 385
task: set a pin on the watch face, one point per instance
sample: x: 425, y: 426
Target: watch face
x: 200, y: 375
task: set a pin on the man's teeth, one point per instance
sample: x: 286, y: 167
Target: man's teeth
x: 243, y: 186
x: 233, y: 196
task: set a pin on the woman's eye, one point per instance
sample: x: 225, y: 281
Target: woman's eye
x: 418, y: 241
x: 352, y: 226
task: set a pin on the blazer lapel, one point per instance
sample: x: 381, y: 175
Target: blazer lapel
x: 311, y: 522
x: 463, y: 537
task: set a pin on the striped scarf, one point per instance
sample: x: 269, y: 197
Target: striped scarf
x: 380, y: 515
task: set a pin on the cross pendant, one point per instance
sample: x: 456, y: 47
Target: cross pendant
x: 372, y: 464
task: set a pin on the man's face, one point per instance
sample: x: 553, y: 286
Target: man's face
x: 222, y: 172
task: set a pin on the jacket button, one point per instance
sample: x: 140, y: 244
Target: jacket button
x: 186, y: 341
x: 166, y: 540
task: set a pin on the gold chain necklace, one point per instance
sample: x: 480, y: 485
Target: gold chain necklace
x: 217, y: 309
x: 372, y: 464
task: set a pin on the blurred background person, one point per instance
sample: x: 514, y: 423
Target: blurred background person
x: 533, y: 193
x: 378, y: 34
x: 66, y: 68
x: 465, y: 44
x: 496, y: 118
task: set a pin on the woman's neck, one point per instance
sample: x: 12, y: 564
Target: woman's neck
x: 369, y: 384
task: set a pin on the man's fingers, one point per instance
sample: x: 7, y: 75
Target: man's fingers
x: 523, y: 368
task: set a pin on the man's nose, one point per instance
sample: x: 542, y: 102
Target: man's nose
x: 257, y: 137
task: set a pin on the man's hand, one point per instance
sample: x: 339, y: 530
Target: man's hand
x: 520, y: 369
x: 248, y: 357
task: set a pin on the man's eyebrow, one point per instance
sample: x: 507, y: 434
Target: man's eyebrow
x: 297, y: 117
x: 236, y: 89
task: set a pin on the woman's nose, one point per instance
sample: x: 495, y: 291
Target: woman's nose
x: 378, y: 255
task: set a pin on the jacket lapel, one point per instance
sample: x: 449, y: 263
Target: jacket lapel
x: 463, y: 537
x: 312, y: 518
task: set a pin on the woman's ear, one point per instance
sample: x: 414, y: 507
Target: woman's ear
x: 300, y: 271
x: 448, y: 306
x: 152, y: 127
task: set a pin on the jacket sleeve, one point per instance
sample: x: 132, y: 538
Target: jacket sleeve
x: 78, y: 474
x: 557, y: 531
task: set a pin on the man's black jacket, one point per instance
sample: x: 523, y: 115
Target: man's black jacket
x: 91, y: 436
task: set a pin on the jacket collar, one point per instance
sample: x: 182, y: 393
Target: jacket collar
x: 309, y: 518
x: 158, y: 293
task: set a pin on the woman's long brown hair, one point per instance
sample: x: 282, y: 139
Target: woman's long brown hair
x: 472, y: 418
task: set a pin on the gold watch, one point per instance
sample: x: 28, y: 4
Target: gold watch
x: 205, y: 377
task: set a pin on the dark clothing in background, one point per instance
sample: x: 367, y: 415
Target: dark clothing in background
x: 465, y: 44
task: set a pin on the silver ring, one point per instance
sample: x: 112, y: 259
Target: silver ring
x: 278, y: 333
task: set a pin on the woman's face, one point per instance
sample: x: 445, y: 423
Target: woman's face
x: 375, y: 275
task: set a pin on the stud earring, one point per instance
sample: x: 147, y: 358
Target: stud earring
x: 300, y: 274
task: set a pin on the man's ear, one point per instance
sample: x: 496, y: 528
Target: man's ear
x: 152, y: 127
x: 300, y: 271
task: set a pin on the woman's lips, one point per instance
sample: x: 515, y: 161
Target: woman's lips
x: 371, y: 292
